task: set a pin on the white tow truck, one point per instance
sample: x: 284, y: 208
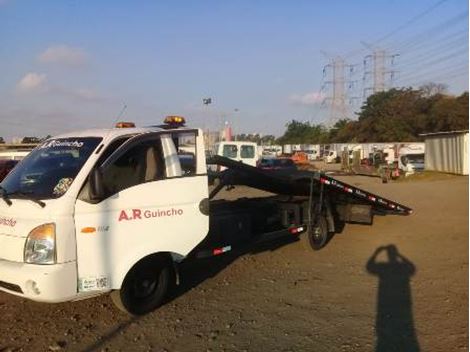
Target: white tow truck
x: 116, y: 210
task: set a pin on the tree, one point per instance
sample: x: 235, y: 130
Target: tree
x: 449, y: 114
x: 303, y: 133
x: 268, y: 139
x: 343, y: 131
x: 390, y: 116
x: 30, y: 140
x: 431, y: 88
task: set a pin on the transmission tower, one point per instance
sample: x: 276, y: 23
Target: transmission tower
x: 335, y: 89
x: 378, y: 75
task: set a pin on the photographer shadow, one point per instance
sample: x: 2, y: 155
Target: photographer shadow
x: 394, y: 320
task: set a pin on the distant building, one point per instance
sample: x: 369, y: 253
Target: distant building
x: 227, y: 132
x: 446, y: 152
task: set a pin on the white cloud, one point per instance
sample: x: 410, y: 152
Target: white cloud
x: 306, y: 99
x: 64, y: 55
x: 32, y: 81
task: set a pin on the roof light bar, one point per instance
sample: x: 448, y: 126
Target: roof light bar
x: 174, y: 120
x: 125, y: 125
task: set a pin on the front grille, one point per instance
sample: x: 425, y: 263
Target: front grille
x: 11, y: 287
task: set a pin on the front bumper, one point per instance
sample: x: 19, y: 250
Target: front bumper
x: 42, y: 283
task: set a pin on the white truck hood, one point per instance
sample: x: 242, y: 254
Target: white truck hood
x: 22, y: 216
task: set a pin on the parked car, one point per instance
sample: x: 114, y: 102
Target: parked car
x: 277, y: 164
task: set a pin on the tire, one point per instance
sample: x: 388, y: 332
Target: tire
x: 317, y: 237
x: 145, y: 286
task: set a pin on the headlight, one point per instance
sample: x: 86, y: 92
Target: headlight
x: 40, y: 245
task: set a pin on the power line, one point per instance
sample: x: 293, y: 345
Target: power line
x: 434, y: 49
x: 401, y: 27
x: 430, y: 75
x: 432, y: 60
x: 445, y: 43
x: 431, y: 33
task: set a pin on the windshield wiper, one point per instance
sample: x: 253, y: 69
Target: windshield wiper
x: 5, y: 196
x: 25, y: 195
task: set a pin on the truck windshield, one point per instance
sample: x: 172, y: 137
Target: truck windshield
x: 416, y: 158
x: 49, y: 170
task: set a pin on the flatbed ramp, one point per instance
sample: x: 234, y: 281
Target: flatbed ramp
x: 301, y: 183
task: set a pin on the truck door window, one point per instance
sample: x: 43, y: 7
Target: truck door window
x: 185, y: 144
x: 141, y: 163
x: 230, y: 151
x: 247, y: 152
x: 84, y: 192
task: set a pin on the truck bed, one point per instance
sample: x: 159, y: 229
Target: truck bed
x: 303, y: 183
x: 301, y: 197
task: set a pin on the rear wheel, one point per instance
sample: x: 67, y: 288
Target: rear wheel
x: 145, y: 286
x: 317, y: 236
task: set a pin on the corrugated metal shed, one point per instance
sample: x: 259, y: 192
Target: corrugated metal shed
x: 447, y: 152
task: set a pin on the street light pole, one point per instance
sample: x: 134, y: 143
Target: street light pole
x: 206, y: 102
x: 235, y: 123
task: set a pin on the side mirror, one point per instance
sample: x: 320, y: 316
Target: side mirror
x: 96, y: 189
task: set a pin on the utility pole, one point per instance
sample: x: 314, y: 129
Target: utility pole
x: 378, y: 76
x: 335, y: 89
x: 206, y: 102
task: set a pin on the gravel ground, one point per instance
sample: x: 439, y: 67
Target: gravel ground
x: 399, y: 285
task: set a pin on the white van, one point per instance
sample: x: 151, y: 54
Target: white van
x: 331, y: 156
x: 411, y: 158
x: 246, y: 152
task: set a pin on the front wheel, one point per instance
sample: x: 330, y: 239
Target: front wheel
x: 316, y: 237
x: 145, y: 286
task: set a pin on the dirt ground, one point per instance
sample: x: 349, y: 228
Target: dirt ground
x: 399, y: 285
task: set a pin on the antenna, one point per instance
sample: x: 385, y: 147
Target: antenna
x: 115, y: 121
x: 120, y: 114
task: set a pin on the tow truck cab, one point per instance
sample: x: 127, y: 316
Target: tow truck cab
x: 89, y: 212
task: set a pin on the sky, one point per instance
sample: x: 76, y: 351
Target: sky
x: 68, y: 64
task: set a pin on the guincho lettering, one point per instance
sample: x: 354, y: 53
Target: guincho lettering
x: 57, y: 143
x: 138, y: 214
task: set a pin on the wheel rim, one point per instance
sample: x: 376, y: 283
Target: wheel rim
x: 317, y: 234
x: 144, y: 286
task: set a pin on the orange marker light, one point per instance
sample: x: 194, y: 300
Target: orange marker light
x: 88, y: 230
x: 125, y: 125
